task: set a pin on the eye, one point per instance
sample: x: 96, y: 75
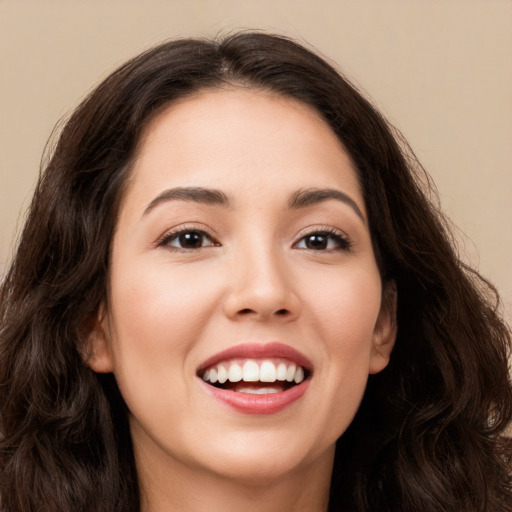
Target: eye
x: 188, y: 239
x: 324, y: 241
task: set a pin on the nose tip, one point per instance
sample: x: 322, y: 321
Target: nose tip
x: 262, y: 291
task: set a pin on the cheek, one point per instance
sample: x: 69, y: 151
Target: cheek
x: 343, y: 310
x: 345, y: 305
x: 161, y: 302
x: 156, y: 317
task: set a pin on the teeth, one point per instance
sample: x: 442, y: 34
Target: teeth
x: 222, y: 374
x: 290, y: 372
x: 255, y: 371
x: 259, y: 391
x: 281, y: 372
x: 235, y: 373
x: 268, y: 372
x: 251, y: 372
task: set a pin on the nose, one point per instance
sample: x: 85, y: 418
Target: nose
x: 261, y: 288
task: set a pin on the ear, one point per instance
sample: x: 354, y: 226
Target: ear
x: 384, y: 334
x: 98, y: 352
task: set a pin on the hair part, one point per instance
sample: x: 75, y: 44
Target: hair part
x: 429, y: 435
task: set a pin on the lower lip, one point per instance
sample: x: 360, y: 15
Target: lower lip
x: 247, y: 403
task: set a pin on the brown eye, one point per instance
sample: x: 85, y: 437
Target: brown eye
x: 317, y: 241
x: 188, y: 239
x: 323, y: 241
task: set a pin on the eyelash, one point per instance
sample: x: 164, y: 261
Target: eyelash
x: 343, y: 242
x: 176, y: 233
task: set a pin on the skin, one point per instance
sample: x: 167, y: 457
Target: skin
x: 255, y: 280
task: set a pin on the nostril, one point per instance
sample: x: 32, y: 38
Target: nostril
x: 249, y: 311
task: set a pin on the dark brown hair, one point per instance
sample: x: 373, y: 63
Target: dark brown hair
x: 429, y: 435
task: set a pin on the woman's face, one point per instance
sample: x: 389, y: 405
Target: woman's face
x: 244, y: 310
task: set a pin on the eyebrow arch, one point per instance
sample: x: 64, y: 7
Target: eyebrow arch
x: 310, y: 196
x: 195, y: 194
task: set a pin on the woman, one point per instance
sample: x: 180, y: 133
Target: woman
x: 231, y: 292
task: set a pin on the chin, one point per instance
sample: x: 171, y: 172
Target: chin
x: 262, y: 458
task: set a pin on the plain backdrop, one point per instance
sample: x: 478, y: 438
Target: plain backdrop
x: 440, y: 71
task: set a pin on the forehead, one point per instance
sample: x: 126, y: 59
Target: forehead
x: 240, y: 140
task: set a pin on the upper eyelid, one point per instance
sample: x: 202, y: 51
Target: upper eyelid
x: 322, y: 229
x: 173, y: 232
x: 344, y: 239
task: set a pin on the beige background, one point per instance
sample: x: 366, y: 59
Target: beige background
x: 440, y: 70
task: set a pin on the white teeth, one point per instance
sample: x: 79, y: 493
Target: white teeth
x: 290, y: 372
x: 281, y: 372
x: 267, y: 372
x: 251, y: 372
x: 222, y: 374
x: 255, y: 371
x: 235, y: 373
x: 259, y: 391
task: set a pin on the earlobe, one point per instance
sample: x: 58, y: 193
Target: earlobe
x: 385, y: 331
x: 98, y: 354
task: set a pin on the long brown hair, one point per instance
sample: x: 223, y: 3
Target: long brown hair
x: 429, y: 435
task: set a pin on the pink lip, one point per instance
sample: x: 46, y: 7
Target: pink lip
x: 258, y: 404
x: 259, y: 351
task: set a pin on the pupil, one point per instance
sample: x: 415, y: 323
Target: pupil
x: 316, y: 242
x: 191, y: 239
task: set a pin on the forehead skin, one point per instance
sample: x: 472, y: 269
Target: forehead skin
x: 193, y: 122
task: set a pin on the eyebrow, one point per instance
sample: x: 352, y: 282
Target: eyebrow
x: 300, y: 199
x: 195, y: 194
x: 307, y: 197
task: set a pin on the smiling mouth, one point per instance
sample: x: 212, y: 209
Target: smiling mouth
x: 255, y: 376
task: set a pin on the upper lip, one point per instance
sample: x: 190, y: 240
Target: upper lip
x: 258, y: 351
